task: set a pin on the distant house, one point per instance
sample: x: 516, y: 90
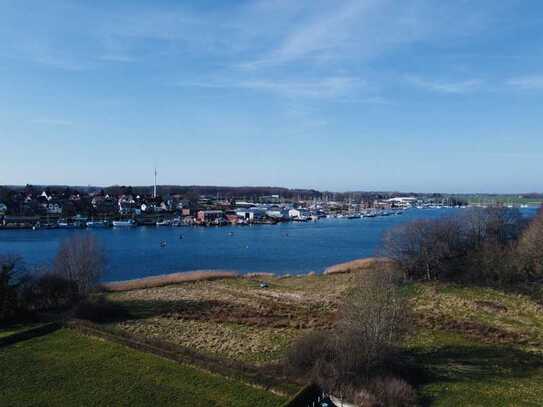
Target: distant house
x: 251, y: 214
x: 209, y: 216
x: 3, y: 208
x: 54, y: 208
x: 402, y: 201
x: 46, y: 196
x: 127, y: 205
x: 294, y: 213
x: 277, y: 213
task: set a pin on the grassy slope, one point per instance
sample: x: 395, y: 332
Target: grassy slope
x: 479, y: 347
x: 64, y: 368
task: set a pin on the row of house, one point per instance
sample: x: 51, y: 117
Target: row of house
x: 257, y: 213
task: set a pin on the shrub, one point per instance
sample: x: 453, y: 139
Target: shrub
x: 386, y: 392
x: 81, y: 260
x: 365, y: 342
x: 100, y: 310
x: 12, y: 277
x: 49, y: 291
x: 530, y: 249
x: 302, y: 355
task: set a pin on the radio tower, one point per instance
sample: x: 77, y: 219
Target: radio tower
x: 154, y: 189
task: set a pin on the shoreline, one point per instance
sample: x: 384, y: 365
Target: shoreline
x: 162, y: 280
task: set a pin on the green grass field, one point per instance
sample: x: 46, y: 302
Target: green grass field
x: 68, y: 369
x: 482, y: 347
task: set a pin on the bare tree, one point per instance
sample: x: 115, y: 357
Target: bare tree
x: 530, y: 248
x: 81, y: 260
x: 423, y: 247
x: 475, y: 246
x: 365, y: 342
x: 374, y: 318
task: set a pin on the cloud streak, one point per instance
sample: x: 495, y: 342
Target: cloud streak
x: 533, y: 82
x: 448, y: 87
x: 323, y: 88
x: 53, y: 122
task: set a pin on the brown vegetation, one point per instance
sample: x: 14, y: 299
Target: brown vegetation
x: 358, y: 265
x: 530, y: 249
x: 364, y: 343
x: 477, y: 246
x: 169, y: 279
x: 234, y: 317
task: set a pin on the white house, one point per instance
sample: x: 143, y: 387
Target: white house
x: 54, y: 208
x: 403, y: 201
x: 294, y: 213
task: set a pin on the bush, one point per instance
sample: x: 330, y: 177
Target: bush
x: 365, y: 342
x: 49, y: 291
x: 386, y: 392
x: 12, y: 277
x: 100, y: 310
x: 302, y: 355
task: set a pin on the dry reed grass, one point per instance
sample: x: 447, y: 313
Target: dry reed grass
x: 167, y: 279
x: 358, y: 265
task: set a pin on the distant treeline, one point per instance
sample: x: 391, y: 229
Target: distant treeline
x: 224, y: 192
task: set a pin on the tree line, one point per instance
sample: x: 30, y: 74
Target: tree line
x: 495, y: 246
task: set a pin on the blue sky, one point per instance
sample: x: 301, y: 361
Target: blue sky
x: 338, y: 95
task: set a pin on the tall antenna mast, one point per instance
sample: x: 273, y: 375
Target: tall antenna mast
x: 154, y: 189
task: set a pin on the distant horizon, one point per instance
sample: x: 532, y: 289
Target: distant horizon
x: 394, y: 191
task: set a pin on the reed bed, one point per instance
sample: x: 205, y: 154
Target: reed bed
x: 358, y: 265
x: 168, y: 279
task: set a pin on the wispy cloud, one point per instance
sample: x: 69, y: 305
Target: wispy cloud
x: 451, y: 87
x: 117, y: 58
x: 323, y: 88
x: 329, y: 32
x: 53, y: 122
x: 532, y: 82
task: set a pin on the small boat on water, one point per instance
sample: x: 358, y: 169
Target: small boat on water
x: 66, y: 225
x: 96, y: 224
x: 124, y: 223
x: 165, y: 222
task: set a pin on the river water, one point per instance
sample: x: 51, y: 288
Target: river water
x: 287, y: 248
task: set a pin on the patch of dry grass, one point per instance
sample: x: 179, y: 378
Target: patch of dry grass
x: 358, y: 265
x: 234, y: 317
x: 169, y: 279
x: 485, y: 314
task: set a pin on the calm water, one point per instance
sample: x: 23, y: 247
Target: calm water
x: 285, y: 248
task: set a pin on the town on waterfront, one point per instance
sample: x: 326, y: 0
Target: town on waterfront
x: 50, y: 207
